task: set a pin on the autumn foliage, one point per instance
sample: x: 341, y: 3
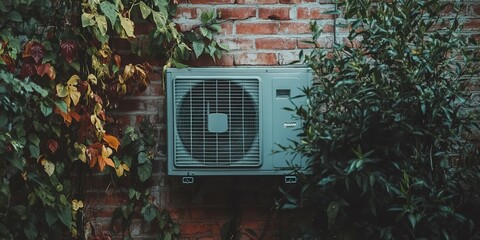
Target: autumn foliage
x: 59, y: 77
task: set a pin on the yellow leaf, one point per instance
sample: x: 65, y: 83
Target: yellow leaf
x: 119, y: 171
x: 80, y: 151
x: 125, y: 166
x: 101, y: 23
x: 112, y: 141
x: 73, y: 80
x: 76, y: 204
x: 62, y: 90
x: 104, y: 159
x: 74, y: 95
x: 127, y: 25
x: 92, y: 79
x: 128, y: 71
x: 48, y: 166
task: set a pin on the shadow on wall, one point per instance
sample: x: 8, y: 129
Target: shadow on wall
x: 228, y: 207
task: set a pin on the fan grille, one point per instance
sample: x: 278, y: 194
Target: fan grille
x: 196, y: 144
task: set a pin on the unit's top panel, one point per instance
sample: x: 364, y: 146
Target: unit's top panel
x: 243, y: 70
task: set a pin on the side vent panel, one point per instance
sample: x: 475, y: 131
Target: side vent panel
x: 229, y: 121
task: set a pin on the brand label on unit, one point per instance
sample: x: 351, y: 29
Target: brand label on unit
x: 289, y: 124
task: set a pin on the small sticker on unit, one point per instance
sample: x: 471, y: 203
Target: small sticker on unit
x: 289, y: 124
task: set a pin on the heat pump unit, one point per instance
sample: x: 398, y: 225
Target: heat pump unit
x: 231, y: 121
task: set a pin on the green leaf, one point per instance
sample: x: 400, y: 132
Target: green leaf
x: 289, y: 206
x: 61, y: 105
x: 204, y: 31
x: 19, y: 163
x: 206, y: 17
x: 46, y: 110
x: 159, y: 19
x: 50, y: 216
x: 127, y: 25
x: 39, y: 89
x: 146, y: 10
x: 198, y: 48
x: 142, y: 157
x: 110, y: 10
x: 223, y: 46
x: 215, y: 27
x: 168, y: 236
x: 65, y: 215
x: 332, y: 212
x: 149, y: 212
x: 144, y: 171
x: 30, y: 230
x: 88, y: 19
x: 14, y: 16
x: 413, y: 220
x: 33, y: 138
x: 34, y: 151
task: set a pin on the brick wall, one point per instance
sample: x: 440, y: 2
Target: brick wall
x: 258, y: 32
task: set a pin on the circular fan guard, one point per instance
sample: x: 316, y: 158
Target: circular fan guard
x: 217, y: 96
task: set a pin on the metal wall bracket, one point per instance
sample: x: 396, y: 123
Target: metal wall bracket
x: 290, y: 179
x: 187, y: 180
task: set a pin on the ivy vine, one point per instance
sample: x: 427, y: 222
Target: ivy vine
x: 60, y: 76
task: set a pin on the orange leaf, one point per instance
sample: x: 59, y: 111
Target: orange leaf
x: 46, y: 69
x: 75, y: 116
x: 118, y: 60
x: 104, y: 159
x: 52, y: 145
x: 111, y: 141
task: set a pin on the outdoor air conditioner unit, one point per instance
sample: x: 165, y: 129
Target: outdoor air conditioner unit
x: 229, y: 121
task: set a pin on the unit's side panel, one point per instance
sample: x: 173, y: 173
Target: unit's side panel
x: 170, y: 122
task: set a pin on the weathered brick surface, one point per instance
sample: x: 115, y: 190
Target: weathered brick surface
x: 258, y: 32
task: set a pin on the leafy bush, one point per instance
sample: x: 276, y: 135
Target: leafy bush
x: 387, y: 129
x: 59, y: 75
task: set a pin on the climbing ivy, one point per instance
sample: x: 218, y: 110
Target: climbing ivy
x: 60, y: 76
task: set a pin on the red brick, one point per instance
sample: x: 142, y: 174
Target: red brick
x: 328, y: 28
x: 257, y: 28
x: 237, y: 13
x: 295, y: 1
x: 239, y: 43
x: 196, y: 228
x: 157, y: 89
x: 212, y: 1
x: 476, y: 9
x: 143, y: 28
x: 476, y: 37
x: 227, y: 28
x: 312, y: 13
x: 225, y: 60
x: 186, y: 12
x: 473, y: 24
x: 295, y: 27
x: 257, y: 1
x: 278, y: 13
x: 185, y: 27
x: 256, y: 59
x: 275, y: 43
x: 155, y: 77
x: 119, y: 44
x: 131, y: 105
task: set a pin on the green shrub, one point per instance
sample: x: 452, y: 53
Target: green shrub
x: 387, y: 129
